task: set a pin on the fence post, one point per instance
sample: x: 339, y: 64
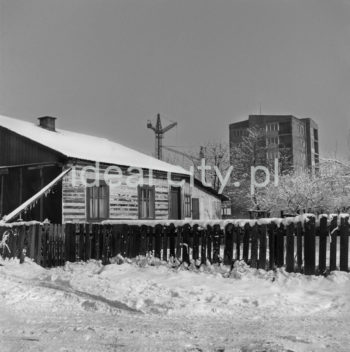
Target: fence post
x: 105, y: 238
x: 131, y: 241
x: 13, y: 242
x: 228, y: 253
x: 135, y: 240
x: 246, y: 239
x: 203, y: 246
x: 143, y: 240
x: 60, y: 238
x: 81, y: 250
x: 185, y: 247
x: 209, y: 243
x: 279, y: 245
x: 87, y: 242
x: 254, y: 247
x: 70, y: 242
x: 216, y: 243
x: 21, y: 235
x: 262, y: 247
x: 290, y: 249
x: 237, y: 236
x: 309, y: 246
x: 150, y: 239
x: 300, y: 235
x: 272, y: 240
x: 158, y: 238
x: 39, y: 242
x: 124, y: 240
x: 165, y: 242
x: 344, y: 243
x: 333, y: 246
x: 114, y: 240
x: 323, y: 233
x: 55, y: 246
x: 46, y: 231
x: 172, y: 236
x: 31, y: 242
x: 195, y: 253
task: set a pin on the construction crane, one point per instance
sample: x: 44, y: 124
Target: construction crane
x: 159, y: 132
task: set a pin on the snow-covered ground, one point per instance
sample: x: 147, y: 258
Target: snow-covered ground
x: 150, y: 306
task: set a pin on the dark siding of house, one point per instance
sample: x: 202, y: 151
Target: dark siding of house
x: 16, y: 150
x: 20, y: 181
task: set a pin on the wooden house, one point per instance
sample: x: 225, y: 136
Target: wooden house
x: 49, y: 173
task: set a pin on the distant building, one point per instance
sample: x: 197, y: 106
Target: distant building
x: 298, y: 138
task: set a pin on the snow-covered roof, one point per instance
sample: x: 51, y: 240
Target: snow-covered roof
x: 86, y: 147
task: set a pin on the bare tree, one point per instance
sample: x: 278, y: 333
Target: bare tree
x: 215, y: 155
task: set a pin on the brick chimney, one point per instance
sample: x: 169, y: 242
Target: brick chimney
x: 47, y: 122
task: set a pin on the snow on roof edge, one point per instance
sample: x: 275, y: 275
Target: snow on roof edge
x: 88, y: 147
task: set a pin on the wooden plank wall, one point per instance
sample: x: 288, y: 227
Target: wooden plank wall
x: 123, y: 198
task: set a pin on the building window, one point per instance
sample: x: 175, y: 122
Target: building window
x: 146, y: 200
x: 240, y: 132
x: 272, y: 141
x: 97, y: 200
x: 188, y: 202
x: 272, y: 155
x: 272, y: 126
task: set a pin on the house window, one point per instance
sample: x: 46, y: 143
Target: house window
x: 226, y: 211
x: 97, y: 200
x: 188, y: 209
x: 146, y: 200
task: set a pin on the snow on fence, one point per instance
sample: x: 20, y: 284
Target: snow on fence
x: 301, y: 244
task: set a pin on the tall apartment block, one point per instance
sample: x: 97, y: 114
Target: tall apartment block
x: 297, y: 138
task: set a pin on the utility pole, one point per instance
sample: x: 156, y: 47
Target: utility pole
x: 159, y: 132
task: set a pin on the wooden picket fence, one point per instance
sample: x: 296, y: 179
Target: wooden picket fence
x: 304, y: 246
x: 44, y: 243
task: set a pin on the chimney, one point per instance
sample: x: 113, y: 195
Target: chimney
x: 47, y: 122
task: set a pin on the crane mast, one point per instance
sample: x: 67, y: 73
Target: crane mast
x: 159, y: 135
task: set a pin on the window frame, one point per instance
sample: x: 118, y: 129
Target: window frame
x: 151, y: 199
x: 272, y: 126
x: 187, y: 205
x: 274, y: 141
x: 89, y: 196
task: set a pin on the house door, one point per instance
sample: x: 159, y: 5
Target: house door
x: 175, y: 203
x: 195, y: 208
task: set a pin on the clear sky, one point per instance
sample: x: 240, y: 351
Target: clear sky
x: 105, y: 67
